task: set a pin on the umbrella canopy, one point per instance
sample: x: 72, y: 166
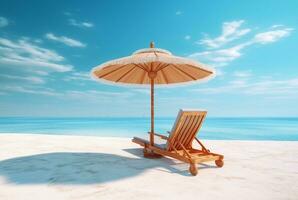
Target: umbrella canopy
x: 152, y: 66
x: 152, y: 62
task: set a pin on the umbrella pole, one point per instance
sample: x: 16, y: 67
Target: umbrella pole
x: 152, y: 112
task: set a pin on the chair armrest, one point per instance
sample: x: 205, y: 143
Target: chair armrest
x: 160, y: 135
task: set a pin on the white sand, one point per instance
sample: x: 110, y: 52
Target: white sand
x: 77, y: 167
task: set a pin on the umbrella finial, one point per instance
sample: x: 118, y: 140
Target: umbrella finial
x: 151, y: 44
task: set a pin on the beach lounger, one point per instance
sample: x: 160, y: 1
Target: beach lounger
x: 179, y: 143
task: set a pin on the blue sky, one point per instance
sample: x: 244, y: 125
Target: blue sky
x: 47, y: 49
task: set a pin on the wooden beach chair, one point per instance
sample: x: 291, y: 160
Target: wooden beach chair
x: 179, y: 143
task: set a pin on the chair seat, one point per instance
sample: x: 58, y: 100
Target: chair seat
x: 157, y: 142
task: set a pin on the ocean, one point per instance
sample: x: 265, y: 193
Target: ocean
x: 282, y: 129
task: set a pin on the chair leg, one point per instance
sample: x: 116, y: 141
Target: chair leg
x: 193, y: 169
x: 219, y: 163
x: 148, y: 153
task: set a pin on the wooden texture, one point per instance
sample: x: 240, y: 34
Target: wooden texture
x: 152, y: 112
x: 136, y: 69
x: 138, y: 73
x: 185, y: 128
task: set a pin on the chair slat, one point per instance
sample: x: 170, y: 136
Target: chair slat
x: 179, y: 133
x: 183, y: 134
x: 191, y: 132
x: 185, y: 129
x: 199, y: 122
x: 188, y: 134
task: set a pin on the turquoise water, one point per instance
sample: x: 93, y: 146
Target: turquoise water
x: 213, y: 128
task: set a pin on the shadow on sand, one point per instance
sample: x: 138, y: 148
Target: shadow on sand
x: 82, y: 168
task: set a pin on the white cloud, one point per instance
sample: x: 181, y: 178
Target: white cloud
x: 73, y: 22
x: 272, y: 36
x: 32, y: 79
x: 82, y: 76
x: 218, y: 58
x: 270, y: 87
x: 277, y: 26
x: 242, y: 74
x: 39, y: 91
x: 187, y: 37
x: 86, y: 95
x: 230, y: 31
x: 65, y: 40
x: 179, y: 12
x: 141, y: 90
x: 95, y: 94
x: 3, y: 22
x: 273, y: 87
x: 42, y: 73
x: 219, y: 72
x: 222, y: 57
x: 39, y: 41
x: 26, y: 54
x: 67, y: 13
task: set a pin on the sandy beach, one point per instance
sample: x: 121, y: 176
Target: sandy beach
x: 87, y: 167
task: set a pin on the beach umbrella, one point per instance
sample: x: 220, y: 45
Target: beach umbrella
x: 152, y: 66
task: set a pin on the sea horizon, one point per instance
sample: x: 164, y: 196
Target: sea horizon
x: 214, y: 128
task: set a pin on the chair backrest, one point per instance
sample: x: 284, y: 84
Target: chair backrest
x: 187, y: 124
